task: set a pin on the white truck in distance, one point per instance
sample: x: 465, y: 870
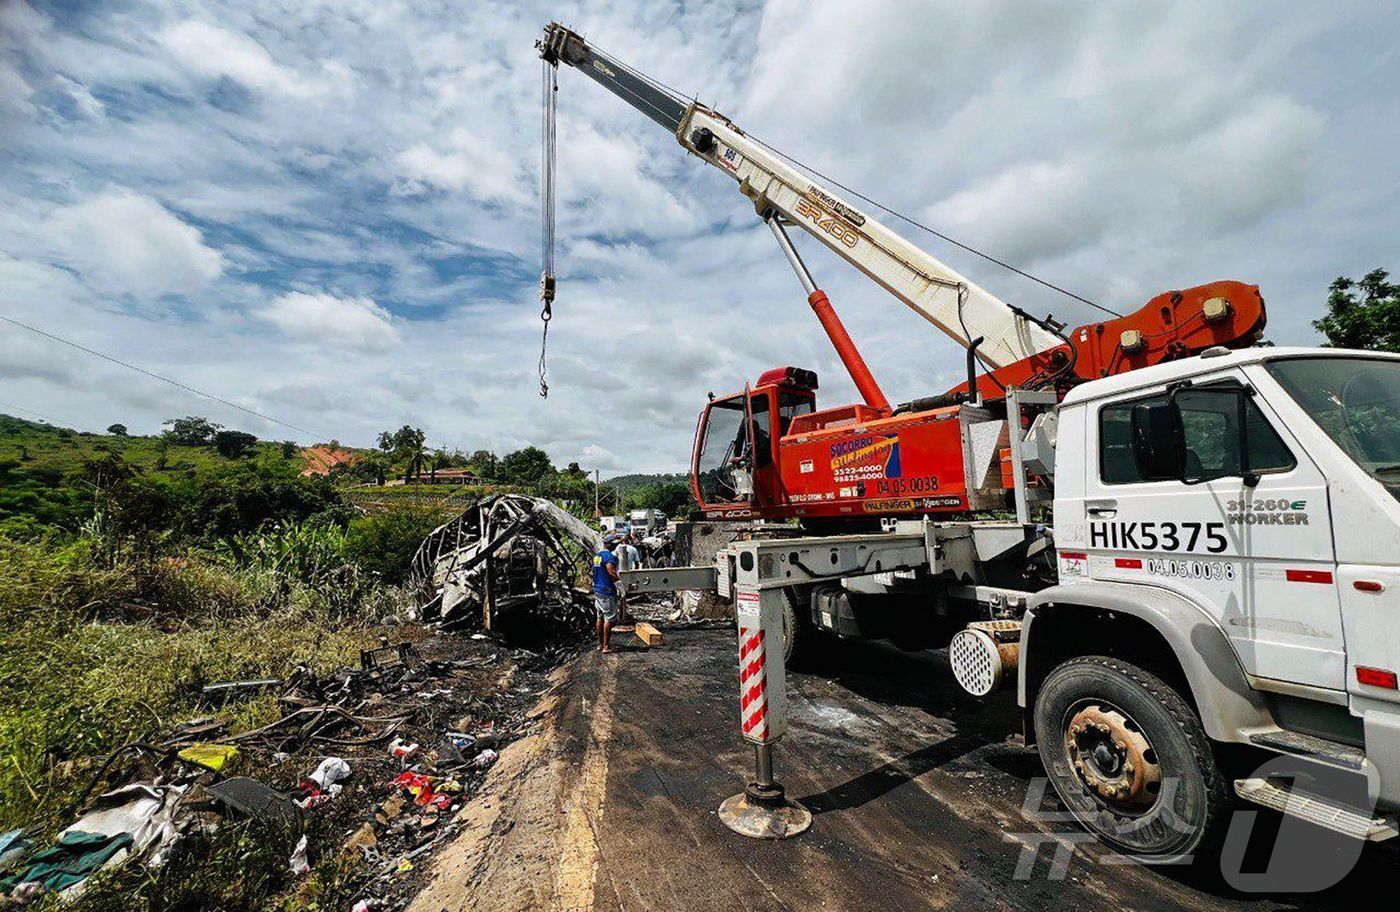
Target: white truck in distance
x: 1210, y: 613
x: 647, y: 522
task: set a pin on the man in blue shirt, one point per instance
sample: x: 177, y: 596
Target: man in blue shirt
x: 605, y: 592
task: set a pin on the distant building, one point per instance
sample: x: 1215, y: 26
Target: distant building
x: 323, y: 460
x: 447, y: 477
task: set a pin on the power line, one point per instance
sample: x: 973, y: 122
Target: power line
x: 44, y: 418
x: 936, y: 233
x: 173, y: 382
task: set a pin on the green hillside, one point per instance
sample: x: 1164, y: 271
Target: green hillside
x: 48, y: 474
x: 627, y: 483
x: 38, y: 445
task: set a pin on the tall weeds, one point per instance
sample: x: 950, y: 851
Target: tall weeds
x: 102, y: 642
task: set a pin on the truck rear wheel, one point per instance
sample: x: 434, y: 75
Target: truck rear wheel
x: 1129, y: 758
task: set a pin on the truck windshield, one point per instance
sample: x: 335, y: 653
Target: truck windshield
x: 723, y: 441
x: 1356, y: 401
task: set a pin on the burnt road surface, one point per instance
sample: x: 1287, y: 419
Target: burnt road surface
x: 916, y: 790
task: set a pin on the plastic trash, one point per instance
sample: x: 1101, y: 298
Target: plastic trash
x: 298, y: 863
x: 484, y: 759
x: 403, y: 749
x: 13, y: 848
x: 214, y: 757
x: 331, y: 771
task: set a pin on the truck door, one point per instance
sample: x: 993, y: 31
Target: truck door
x: 1258, y: 558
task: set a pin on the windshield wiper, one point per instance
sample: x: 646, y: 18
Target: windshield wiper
x: 1391, y: 469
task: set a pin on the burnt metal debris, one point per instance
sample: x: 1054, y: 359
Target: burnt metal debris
x: 509, y: 563
x: 455, y: 700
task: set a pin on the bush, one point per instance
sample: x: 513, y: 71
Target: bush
x: 250, y: 496
x: 384, y: 543
x: 233, y: 444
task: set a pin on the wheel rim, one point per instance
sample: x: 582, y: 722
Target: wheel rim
x: 1112, y: 757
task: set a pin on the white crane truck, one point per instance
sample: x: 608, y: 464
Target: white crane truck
x: 1202, y: 578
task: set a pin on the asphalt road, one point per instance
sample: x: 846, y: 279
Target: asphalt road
x: 917, y: 793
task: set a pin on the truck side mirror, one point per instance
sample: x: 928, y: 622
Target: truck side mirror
x: 1159, y: 445
x: 1219, y: 435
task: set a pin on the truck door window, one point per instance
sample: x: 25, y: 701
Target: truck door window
x: 762, y: 436
x: 1210, y: 428
x: 724, y: 441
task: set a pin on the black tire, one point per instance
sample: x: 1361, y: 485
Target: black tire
x: 1192, y: 798
x: 803, y: 643
x: 793, y: 634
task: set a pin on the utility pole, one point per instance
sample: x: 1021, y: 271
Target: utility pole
x: 596, y: 483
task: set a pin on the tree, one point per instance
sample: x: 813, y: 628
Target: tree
x: 249, y: 495
x: 116, y: 430
x: 372, y: 468
x: 487, y: 466
x: 385, y: 543
x: 576, y: 471
x: 191, y: 430
x: 670, y: 497
x: 104, y: 473
x: 289, y: 449
x: 405, y: 444
x: 529, y: 466
x: 1370, y: 322
x: 232, y: 444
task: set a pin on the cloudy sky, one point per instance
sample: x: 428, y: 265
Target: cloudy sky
x: 327, y: 212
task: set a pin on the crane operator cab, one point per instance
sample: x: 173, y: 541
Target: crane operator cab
x: 734, y: 469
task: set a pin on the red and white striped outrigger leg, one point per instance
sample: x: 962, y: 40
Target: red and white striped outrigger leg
x: 762, y: 809
x: 753, y: 684
x: 762, y: 679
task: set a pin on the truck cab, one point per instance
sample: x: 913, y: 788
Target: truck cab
x: 735, y: 460
x: 1229, y: 525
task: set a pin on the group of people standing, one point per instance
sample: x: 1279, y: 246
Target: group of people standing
x: 618, y: 554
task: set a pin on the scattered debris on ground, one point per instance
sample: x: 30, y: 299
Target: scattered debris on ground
x: 364, y: 769
x: 510, y: 564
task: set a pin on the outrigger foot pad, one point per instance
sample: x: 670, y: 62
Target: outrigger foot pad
x: 764, y: 812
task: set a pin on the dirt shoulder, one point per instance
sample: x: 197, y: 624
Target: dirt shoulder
x: 527, y: 840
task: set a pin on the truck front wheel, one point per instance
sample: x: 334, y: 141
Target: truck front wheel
x: 802, y: 641
x: 1129, y: 758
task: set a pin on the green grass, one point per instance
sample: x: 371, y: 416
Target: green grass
x: 92, y: 657
x: 38, y: 446
x: 132, y: 573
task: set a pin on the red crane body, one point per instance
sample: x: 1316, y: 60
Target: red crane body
x: 870, y: 460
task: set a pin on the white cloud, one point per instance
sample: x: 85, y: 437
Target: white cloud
x: 601, y: 458
x: 23, y: 357
x: 125, y: 242
x: 487, y: 172
x: 354, y: 324
x: 15, y: 92
x: 381, y: 162
x: 211, y: 51
x: 1023, y: 212
x: 82, y: 98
